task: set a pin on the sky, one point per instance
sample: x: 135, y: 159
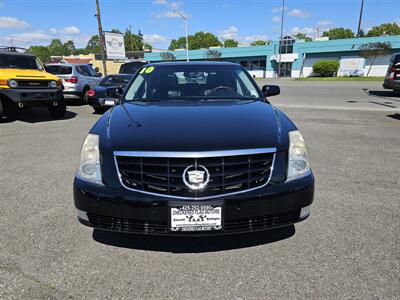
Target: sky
x: 37, y: 22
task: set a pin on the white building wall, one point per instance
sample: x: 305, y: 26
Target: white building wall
x: 379, y: 67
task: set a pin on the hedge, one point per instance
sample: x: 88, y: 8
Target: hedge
x: 326, y: 68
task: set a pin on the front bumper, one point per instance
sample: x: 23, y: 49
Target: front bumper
x: 33, y: 97
x: 118, y: 209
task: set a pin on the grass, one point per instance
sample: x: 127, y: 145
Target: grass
x: 344, y: 78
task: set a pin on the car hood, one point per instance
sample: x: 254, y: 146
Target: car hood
x: 178, y: 126
x: 27, y: 74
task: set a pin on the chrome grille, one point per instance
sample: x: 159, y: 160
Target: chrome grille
x: 163, y: 175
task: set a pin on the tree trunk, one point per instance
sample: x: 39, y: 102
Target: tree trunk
x: 370, y: 66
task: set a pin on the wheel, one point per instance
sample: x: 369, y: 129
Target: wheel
x: 85, y: 96
x: 7, y: 111
x: 58, y: 110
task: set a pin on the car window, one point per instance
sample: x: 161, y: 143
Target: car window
x: 81, y: 70
x: 59, y: 70
x: 113, y: 80
x: 90, y: 71
x: 190, y: 82
x: 20, y: 62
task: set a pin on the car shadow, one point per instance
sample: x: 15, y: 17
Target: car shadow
x: 187, y: 244
x: 394, y: 116
x: 388, y: 95
x: 38, y: 114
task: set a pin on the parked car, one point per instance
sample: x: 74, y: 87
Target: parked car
x: 24, y: 82
x: 77, y: 79
x: 131, y: 67
x: 97, y: 96
x: 193, y: 157
x: 392, y: 78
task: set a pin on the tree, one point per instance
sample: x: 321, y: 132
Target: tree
x: 133, y: 42
x: 302, y: 36
x: 93, y: 45
x: 385, y: 29
x: 339, y: 33
x: 258, y: 43
x: 70, y: 46
x: 371, y: 51
x: 42, y: 52
x: 230, y: 43
x: 57, y: 48
x: 167, y: 56
x: 198, y: 40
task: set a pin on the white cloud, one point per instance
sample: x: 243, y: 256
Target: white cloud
x: 36, y: 36
x: 324, y: 23
x: 66, y: 30
x: 276, y: 19
x: 171, y: 5
x: 298, y: 13
x: 230, y: 33
x: 305, y: 30
x: 277, y: 9
x: 255, y: 37
x: 175, y: 5
x: 10, y: 22
x: 160, y: 2
x: 153, y: 38
x: 167, y: 14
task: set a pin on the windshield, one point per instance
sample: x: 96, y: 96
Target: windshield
x: 192, y: 82
x: 20, y: 62
x: 113, y: 80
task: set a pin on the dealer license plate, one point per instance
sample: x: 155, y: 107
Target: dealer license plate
x: 196, y: 218
x: 107, y: 101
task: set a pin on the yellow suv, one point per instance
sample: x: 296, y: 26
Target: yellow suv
x: 24, y: 82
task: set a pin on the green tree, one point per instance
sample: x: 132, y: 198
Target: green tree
x: 302, y: 36
x: 93, y: 45
x: 385, y: 29
x: 198, y: 40
x: 260, y: 43
x: 57, y: 48
x: 339, y: 33
x: 371, y: 51
x: 230, y: 43
x: 42, y: 52
x: 70, y: 46
x: 133, y: 42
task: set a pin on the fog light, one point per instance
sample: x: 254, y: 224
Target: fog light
x: 55, y: 103
x: 305, y: 211
x: 20, y: 104
x: 12, y: 83
x: 83, y: 215
x: 89, y: 169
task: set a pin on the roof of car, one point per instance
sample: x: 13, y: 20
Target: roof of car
x: 15, y: 53
x: 64, y: 64
x: 193, y: 63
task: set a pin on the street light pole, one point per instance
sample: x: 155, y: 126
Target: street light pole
x: 186, y: 28
x: 359, y: 20
x: 102, y: 43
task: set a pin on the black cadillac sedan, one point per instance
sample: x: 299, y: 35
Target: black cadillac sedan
x: 98, y: 98
x: 193, y: 149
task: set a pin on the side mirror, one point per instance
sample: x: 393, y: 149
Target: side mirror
x: 99, y: 74
x: 115, y: 92
x: 271, y: 90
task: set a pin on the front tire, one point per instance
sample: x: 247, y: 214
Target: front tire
x: 99, y: 110
x: 59, y: 110
x: 7, y: 111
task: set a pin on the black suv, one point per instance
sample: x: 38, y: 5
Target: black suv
x: 193, y: 148
x: 131, y: 67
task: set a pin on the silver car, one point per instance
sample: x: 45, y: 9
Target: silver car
x: 77, y: 79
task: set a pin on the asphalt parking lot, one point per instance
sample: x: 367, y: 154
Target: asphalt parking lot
x: 348, y: 248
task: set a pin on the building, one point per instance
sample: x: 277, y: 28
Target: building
x: 296, y: 57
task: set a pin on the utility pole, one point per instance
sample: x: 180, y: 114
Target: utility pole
x: 186, y: 27
x: 359, y: 20
x: 101, y: 36
x: 280, y: 39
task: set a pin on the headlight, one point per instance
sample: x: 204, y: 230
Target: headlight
x: 298, y: 164
x: 89, y: 168
x: 53, y: 84
x: 12, y: 83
